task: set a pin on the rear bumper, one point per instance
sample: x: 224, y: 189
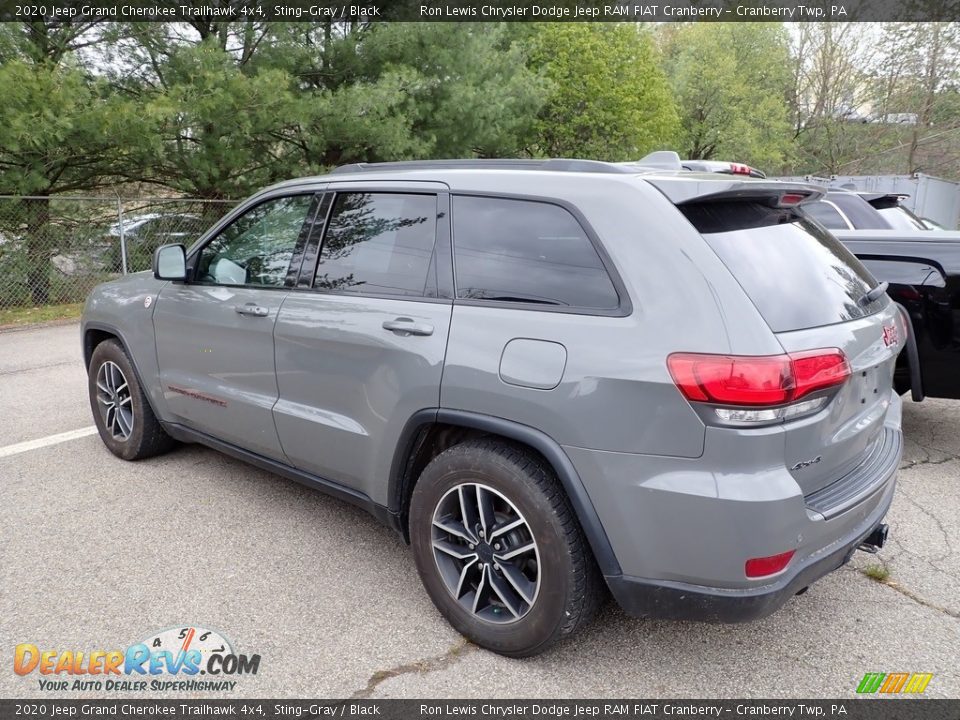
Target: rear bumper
x: 681, y: 601
x: 682, y: 532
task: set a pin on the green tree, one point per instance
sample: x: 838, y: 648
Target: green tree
x: 244, y: 103
x: 476, y: 96
x: 919, y: 72
x: 608, y: 98
x: 61, y: 131
x: 390, y: 91
x: 223, y: 131
x: 731, y: 81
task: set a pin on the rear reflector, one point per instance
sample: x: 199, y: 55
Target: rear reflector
x: 767, y: 380
x: 764, y: 566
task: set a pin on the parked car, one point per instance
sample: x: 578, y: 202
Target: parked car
x: 851, y: 210
x: 845, y: 210
x: 923, y: 273
x: 931, y: 224
x: 169, y: 226
x: 505, y: 362
x: 891, y: 208
x: 146, y: 232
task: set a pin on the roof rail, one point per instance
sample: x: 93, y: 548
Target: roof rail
x: 553, y: 165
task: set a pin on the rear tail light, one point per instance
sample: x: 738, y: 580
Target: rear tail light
x: 765, y: 566
x: 791, y: 199
x: 759, y: 389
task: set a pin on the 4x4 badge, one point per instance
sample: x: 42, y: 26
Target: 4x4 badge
x: 806, y: 463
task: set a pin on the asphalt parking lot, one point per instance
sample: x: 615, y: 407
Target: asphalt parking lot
x: 99, y: 554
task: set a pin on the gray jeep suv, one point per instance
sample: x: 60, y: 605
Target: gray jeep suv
x: 552, y: 377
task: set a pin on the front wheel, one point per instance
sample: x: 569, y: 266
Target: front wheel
x: 499, y: 549
x: 123, y: 416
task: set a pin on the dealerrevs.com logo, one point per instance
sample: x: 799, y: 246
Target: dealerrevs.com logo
x: 173, y: 659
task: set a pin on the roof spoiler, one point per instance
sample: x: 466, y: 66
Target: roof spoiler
x: 697, y: 189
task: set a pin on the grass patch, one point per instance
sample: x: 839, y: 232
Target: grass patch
x: 21, y: 316
x: 880, y: 573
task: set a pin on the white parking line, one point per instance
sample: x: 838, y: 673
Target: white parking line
x: 28, y: 445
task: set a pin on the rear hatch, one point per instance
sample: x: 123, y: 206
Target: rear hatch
x: 817, y: 298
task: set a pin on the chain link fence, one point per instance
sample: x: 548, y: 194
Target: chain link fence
x: 53, y: 250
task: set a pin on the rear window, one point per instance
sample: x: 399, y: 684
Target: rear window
x: 861, y: 213
x: 901, y: 219
x: 797, y: 274
x: 826, y: 214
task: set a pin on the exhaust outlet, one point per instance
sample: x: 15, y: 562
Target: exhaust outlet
x: 876, y: 539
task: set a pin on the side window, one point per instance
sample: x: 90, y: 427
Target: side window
x: 525, y: 251
x: 255, y: 249
x: 379, y: 244
x: 826, y: 214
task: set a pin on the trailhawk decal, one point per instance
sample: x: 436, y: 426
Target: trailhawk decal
x: 197, y: 395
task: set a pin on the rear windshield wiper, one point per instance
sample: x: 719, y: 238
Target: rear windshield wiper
x: 874, y: 294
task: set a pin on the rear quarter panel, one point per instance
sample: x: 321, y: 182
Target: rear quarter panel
x: 615, y: 393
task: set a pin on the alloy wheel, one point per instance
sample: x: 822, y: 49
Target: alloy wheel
x: 486, y: 553
x: 114, y: 400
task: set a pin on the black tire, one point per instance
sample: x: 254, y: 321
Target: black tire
x: 570, y: 585
x: 146, y: 437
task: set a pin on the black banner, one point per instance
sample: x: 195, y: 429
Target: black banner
x: 858, y: 709
x: 482, y: 10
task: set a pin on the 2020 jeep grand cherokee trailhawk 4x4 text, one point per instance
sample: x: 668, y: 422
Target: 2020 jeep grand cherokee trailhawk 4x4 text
x: 550, y: 376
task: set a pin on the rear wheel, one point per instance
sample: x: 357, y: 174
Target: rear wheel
x: 123, y: 416
x: 499, y: 549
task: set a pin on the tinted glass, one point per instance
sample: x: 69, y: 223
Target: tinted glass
x: 378, y: 244
x: 861, y: 213
x: 826, y: 214
x: 255, y: 249
x: 525, y: 251
x: 902, y: 219
x: 797, y: 274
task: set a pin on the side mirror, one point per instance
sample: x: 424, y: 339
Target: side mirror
x: 170, y: 262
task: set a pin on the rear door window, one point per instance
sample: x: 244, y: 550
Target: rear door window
x: 796, y: 273
x: 379, y: 244
x: 524, y: 251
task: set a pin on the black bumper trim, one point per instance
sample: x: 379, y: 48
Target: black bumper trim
x: 669, y: 600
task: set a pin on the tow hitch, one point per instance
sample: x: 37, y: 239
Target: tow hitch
x: 875, y: 540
